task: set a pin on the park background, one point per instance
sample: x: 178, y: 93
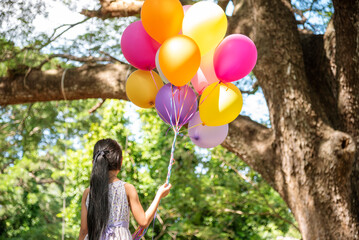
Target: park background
x: 46, y: 143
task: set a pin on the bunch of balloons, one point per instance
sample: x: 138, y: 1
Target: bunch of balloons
x: 186, y: 44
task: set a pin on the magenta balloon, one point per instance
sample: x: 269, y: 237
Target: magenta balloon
x: 206, y: 136
x: 176, y: 105
x: 234, y: 58
x: 138, y: 47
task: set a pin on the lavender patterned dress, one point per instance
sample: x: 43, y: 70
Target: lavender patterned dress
x: 118, y: 223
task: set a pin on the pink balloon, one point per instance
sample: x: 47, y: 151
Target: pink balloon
x: 138, y: 47
x: 185, y: 8
x: 234, y: 58
x: 205, y: 75
x: 206, y: 136
x: 199, y: 81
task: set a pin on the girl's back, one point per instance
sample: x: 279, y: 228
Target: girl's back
x: 105, y: 208
x: 118, y: 222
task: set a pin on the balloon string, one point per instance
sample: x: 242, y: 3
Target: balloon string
x: 153, y: 224
x: 169, y: 170
x: 140, y: 231
x: 154, y: 79
x: 163, y: 118
x: 180, y: 110
x: 187, y: 117
x: 169, y: 114
x: 172, y: 158
x: 209, y: 93
x: 195, y: 126
x: 173, y: 105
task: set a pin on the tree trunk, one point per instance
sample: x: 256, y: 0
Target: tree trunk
x: 310, y: 155
x: 313, y: 111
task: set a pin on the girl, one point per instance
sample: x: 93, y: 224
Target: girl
x: 105, y: 204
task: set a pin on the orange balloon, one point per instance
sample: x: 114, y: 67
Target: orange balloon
x: 162, y: 19
x: 179, y: 58
x: 142, y: 87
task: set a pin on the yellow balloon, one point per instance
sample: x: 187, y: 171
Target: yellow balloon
x: 162, y: 19
x: 179, y: 58
x: 220, y: 104
x: 142, y: 88
x: 206, y: 23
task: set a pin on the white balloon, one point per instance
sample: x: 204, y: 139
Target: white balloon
x: 164, y: 79
x: 206, y: 136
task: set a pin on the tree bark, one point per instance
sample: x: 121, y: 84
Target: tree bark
x: 310, y: 155
x: 118, y: 8
x: 98, y: 81
x: 125, y: 8
x: 315, y: 153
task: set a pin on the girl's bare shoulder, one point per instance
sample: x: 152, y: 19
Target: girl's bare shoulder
x: 130, y: 189
x: 86, y: 192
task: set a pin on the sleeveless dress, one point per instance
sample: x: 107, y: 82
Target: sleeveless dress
x: 118, y: 222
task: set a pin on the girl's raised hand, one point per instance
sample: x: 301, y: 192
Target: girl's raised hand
x: 164, y: 190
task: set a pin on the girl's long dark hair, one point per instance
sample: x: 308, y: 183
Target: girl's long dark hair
x: 107, y: 155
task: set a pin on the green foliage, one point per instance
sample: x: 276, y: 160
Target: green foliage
x: 16, y: 61
x: 46, y: 154
x: 16, y: 18
x: 97, y: 32
x: 46, y: 148
x: 33, y: 139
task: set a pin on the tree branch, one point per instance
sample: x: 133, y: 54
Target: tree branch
x: 112, y: 57
x: 43, y: 181
x: 272, y: 208
x: 69, y: 26
x: 320, y: 77
x: 223, y: 4
x: 22, y: 123
x: 263, y: 214
x: 125, y: 8
x: 163, y: 229
x: 97, y: 106
x: 117, y: 8
x: 255, y: 87
x: 84, y: 59
x: 346, y: 25
x: 252, y: 142
x: 99, y: 81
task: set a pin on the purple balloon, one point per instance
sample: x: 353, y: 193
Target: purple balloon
x: 206, y: 136
x: 176, y: 105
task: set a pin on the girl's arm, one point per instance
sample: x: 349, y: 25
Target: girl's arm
x: 144, y: 218
x: 83, y: 229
